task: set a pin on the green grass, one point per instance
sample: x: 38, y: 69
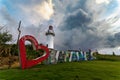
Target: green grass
x: 86, y: 70
x: 108, y: 57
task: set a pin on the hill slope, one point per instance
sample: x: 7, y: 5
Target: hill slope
x: 86, y: 70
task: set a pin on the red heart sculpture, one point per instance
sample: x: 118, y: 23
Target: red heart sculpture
x: 22, y: 49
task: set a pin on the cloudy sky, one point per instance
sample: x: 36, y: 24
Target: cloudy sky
x: 85, y: 24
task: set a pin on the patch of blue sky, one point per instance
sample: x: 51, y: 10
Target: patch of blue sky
x: 9, y: 7
x: 1, y: 4
x: 12, y: 10
x: 111, y: 7
x: 0, y: 0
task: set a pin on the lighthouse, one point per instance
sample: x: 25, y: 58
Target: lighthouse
x: 50, y: 37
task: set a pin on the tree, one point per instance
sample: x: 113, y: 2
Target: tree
x: 5, y: 37
x: 113, y: 53
x: 4, y: 48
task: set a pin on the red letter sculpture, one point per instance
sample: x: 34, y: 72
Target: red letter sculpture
x: 29, y: 63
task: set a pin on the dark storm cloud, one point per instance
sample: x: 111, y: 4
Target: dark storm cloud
x: 114, y: 40
x: 117, y: 36
x: 77, y: 19
x: 72, y: 8
x: 79, y: 23
x: 80, y: 30
x: 77, y: 33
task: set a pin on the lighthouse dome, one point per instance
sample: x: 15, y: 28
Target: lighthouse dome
x: 50, y: 31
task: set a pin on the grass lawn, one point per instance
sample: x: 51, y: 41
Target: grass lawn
x: 86, y: 70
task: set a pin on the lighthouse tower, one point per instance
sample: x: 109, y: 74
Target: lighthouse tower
x: 50, y: 37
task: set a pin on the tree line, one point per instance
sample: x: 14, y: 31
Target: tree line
x: 9, y: 53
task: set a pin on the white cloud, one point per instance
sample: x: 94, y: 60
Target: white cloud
x: 42, y: 13
x: 35, y: 13
x: 102, y: 1
x: 45, y: 9
x: 32, y: 15
x: 116, y: 50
